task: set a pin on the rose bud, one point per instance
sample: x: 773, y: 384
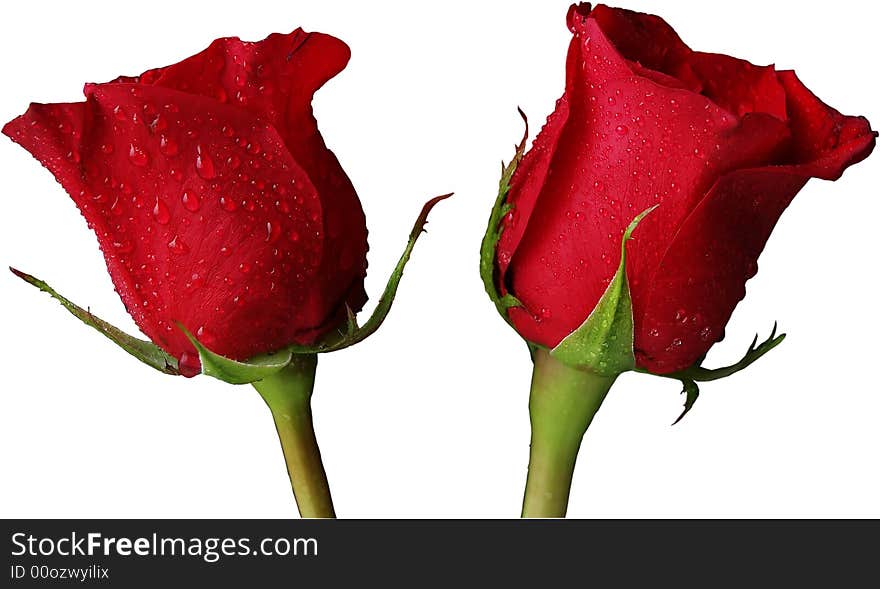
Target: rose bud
x: 230, y: 230
x: 694, y: 156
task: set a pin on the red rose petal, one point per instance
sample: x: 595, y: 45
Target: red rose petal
x: 703, y: 274
x: 190, y: 233
x: 822, y: 137
x: 625, y: 145
x: 642, y: 38
x: 54, y: 131
x: 275, y: 79
x: 738, y: 85
x: 525, y: 186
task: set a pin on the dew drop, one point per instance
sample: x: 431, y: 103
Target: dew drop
x: 123, y: 247
x: 273, y: 232
x: 621, y: 130
x: 137, y: 156
x: 167, y: 145
x: 160, y: 211
x: 204, y: 164
x: 228, y: 203
x: 177, y: 246
x: 190, y: 201
x: 188, y: 365
x: 205, y: 336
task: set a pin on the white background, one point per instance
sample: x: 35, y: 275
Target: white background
x: 429, y: 417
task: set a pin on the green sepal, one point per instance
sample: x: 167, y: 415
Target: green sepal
x: 493, y: 230
x: 354, y: 333
x: 689, y: 377
x: 235, y: 372
x: 358, y: 334
x: 603, y: 344
x: 692, y: 391
x: 755, y: 351
x: 145, y: 351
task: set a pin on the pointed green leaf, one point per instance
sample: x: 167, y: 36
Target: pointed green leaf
x: 233, y: 371
x: 387, y: 298
x: 689, y: 377
x: 603, y: 344
x: 357, y: 334
x: 493, y: 230
x: 145, y: 351
x: 692, y: 390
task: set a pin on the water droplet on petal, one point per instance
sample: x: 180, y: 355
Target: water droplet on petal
x: 188, y: 365
x: 177, y: 246
x: 273, y: 232
x: 228, y: 203
x: 123, y: 247
x: 190, y: 201
x: 167, y: 145
x: 204, y: 164
x: 160, y: 211
x: 137, y: 156
x: 621, y: 129
x: 205, y: 336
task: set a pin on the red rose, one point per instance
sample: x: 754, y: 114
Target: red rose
x: 214, y: 199
x: 721, y: 145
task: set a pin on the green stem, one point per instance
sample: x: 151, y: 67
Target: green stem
x: 562, y: 404
x: 288, y: 394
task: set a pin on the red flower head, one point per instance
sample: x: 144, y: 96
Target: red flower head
x: 721, y: 145
x: 214, y: 198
